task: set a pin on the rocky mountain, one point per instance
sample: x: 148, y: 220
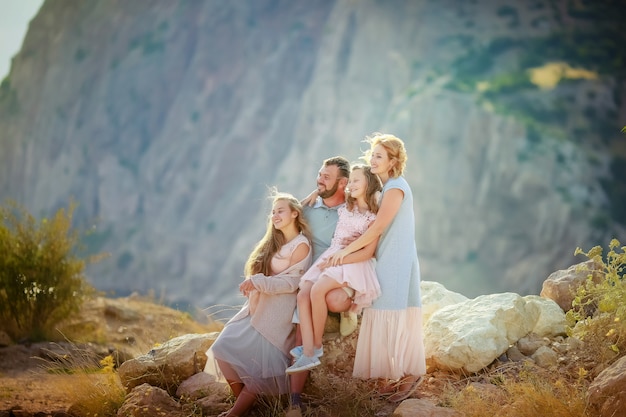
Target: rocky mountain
x: 167, y: 122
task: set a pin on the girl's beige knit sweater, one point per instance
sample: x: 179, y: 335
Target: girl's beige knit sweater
x: 277, y: 302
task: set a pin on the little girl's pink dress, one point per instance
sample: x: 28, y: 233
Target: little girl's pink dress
x: 360, y: 276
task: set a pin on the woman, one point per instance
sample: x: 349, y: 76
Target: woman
x: 391, y: 343
x: 252, y: 351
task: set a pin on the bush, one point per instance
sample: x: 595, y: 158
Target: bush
x: 41, y: 277
x: 598, y: 314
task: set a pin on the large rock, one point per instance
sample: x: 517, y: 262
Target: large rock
x: 201, y: 385
x: 608, y: 391
x: 148, y: 401
x: 470, y: 335
x: 551, y: 321
x: 436, y: 296
x: 167, y: 365
x: 561, y: 285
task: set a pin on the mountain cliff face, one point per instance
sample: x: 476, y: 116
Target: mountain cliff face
x: 167, y: 121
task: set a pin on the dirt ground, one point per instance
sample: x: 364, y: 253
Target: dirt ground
x: 130, y: 326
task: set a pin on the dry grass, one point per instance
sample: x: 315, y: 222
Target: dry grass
x: 331, y: 394
x: 91, y: 384
x: 520, y: 390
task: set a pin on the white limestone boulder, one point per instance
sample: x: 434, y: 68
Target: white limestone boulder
x: 470, y: 335
x: 435, y: 296
x: 551, y: 321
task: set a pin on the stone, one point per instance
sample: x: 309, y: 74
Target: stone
x: 470, y: 335
x: 545, y: 357
x: 515, y: 355
x: 561, y: 285
x: 607, y: 392
x: 167, y: 365
x: 435, y: 296
x: 529, y: 344
x: 551, y: 321
x: 423, y: 408
x: 120, y: 311
x: 148, y: 401
x: 201, y: 385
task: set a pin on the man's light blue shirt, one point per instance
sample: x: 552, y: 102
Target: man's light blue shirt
x: 322, y: 220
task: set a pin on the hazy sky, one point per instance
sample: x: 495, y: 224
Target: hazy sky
x: 14, y: 18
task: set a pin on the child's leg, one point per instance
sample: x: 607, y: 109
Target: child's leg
x: 319, y: 309
x: 304, y: 313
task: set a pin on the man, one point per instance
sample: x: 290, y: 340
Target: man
x: 332, y: 179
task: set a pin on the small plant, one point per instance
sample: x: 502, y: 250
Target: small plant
x: 41, y: 279
x: 598, y: 314
x: 92, y: 384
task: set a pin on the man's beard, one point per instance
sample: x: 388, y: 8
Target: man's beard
x: 329, y: 193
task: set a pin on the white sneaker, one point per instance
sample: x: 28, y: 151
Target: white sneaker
x: 304, y: 363
x: 299, y: 350
x: 348, y: 323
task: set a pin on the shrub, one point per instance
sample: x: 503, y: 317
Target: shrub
x: 41, y: 276
x: 598, y: 314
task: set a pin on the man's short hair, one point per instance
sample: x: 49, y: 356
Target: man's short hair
x: 341, y: 163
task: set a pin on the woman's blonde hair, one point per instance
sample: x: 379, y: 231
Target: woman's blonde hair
x: 260, y: 259
x: 371, y: 193
x: 395, y: 151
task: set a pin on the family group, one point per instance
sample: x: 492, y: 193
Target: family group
x: 348, y: 248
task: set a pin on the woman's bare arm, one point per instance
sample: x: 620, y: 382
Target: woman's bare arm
x: 389, y: 207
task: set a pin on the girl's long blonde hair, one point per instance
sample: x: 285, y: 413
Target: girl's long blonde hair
x: 374, y: 185
x: 260, y: 259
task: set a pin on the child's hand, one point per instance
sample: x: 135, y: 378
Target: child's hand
x: 246, y: 286
x: 337, y: 258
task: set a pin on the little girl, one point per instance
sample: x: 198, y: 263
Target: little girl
x: 362, y: 194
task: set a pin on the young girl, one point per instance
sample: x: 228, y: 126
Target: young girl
x: 252, y: 351
x: 355, y: 217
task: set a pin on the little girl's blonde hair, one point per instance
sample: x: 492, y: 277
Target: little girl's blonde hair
x: 372, y: 193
